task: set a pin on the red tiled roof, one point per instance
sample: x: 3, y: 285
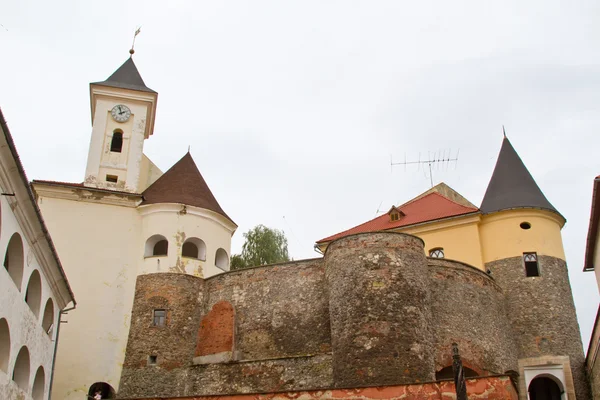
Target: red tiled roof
x: 431, y: 207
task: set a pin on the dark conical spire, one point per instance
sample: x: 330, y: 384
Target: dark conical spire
x: 512, y: 186
x: 183, y: 184
x: 126, y: 76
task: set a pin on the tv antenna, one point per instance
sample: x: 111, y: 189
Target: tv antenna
x: 439, y: 159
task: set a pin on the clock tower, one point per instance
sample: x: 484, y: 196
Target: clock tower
x: 123, y: 111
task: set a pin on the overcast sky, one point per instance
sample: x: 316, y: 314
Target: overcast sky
x: 292, y: 109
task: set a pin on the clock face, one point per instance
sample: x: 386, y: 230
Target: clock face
x: 120, y: 113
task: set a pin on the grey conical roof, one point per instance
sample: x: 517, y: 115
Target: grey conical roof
x: 126, y: 76
x: 512, y: 186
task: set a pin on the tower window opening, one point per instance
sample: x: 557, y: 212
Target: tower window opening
x: 436, y: 253
x: 531, y: 264
x: 160, y: 248
x: 116, y: 144
x: 525, y: 225
x: 159, y: 317
x: 152, y: 360
x: 112, y: 178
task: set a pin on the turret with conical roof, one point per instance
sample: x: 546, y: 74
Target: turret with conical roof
x: 183, y: 184
x: 512, y: 186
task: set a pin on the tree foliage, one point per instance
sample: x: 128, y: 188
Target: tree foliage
x: 263, y: 245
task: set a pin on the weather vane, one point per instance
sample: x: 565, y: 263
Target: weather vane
x: 137, y: 32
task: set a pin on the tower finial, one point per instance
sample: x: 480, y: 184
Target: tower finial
x: 137, y: 32
x: 503, y: 131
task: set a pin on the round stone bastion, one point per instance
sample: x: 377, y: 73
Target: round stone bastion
x: 379, y: 301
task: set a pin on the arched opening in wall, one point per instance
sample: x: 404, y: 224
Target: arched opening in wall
x: 103, y: 389
x: 48, y: 320
x: 33, y: 295
x: 21, y: 370
x: 156, y: 245
x: 436, y: 252
x: 13, y: 260
x: 545, y: 388
x: 222, y: 259
x: 39, y: 382
x: 4, y: 345
x: 447, y: 373
x: 116, y: 144
x: 194, y: 248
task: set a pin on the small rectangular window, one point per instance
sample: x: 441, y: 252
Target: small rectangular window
x: 112, y: 178
x: 152, y: 360
x: 159, y: 317
x: 531, y: 264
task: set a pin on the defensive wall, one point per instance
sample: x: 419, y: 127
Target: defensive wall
x: 374, y: 312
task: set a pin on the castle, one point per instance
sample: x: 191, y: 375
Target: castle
x: 160, y: 316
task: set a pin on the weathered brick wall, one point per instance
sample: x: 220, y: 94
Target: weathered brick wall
x: 541, y: 313
x: 373, y: 312
x: 280, y: 339
x: 468, y: 309
x: 380, y: 310
x: 281, y: 310
x: 488, y: 388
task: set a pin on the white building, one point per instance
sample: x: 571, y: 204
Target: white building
x: 125, y: 219
x: 33, y: 287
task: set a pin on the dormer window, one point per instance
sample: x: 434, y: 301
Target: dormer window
x: 395, y: 214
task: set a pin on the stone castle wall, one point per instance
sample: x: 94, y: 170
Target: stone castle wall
x: 373, y: 312
x: 542, y: 314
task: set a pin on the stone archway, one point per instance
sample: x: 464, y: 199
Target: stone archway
x: 545, y: 387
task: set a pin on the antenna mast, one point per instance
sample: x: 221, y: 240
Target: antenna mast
x: 438, y: 159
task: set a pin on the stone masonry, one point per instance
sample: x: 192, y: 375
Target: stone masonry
x: 374, y: 312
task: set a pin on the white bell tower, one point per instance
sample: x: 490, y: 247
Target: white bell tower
x: 123, y: 111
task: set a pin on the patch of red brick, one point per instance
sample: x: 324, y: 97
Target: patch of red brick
x: 216, y: 330
x: 491, y: 388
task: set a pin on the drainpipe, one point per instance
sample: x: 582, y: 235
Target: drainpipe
x: 60, y: 321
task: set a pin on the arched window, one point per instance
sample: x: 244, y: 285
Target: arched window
x: 33, y: 295
x: 156, y: 245
x: 447, y: 373
x: 4, y: 345
x: 106, y: 391
x: 21, y: 370
x: 437, y: 252
x: 194, y: 248
x: 222, y: 259
x: 48, y: 320
x: 13, y: 260
x: 39, y: 382
x: 544, y: 388
x: 116, y: 144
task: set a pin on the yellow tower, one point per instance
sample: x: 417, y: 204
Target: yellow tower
x: 522, y: 250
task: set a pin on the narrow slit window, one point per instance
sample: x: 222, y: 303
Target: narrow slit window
x: 160, y: 317
x: 112, y: 178
x: 116, y: 144
x: 436, y: 253
x: 531, y: 264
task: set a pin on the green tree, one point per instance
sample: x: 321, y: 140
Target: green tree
x: 262, y: 246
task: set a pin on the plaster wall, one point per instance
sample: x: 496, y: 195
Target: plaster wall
x: 178, y: 223
x: 458, y: 237
x: 24, y: 326
x: 94, y: 242
x: 127, y: 165
x: 593, y: 359
x: 149, y: 173
x: 502, y: 237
